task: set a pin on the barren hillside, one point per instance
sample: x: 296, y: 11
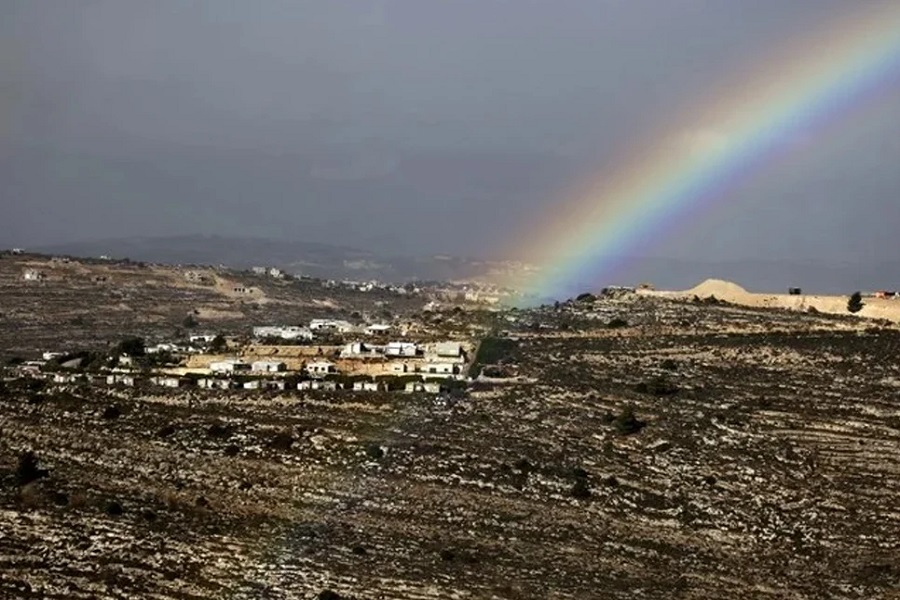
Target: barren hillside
x: 664, y: 450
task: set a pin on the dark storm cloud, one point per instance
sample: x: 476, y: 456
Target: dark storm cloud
x: 419, y: 126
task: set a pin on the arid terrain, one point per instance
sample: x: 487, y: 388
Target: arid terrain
x: 630, y: 447
x: 95, y: 303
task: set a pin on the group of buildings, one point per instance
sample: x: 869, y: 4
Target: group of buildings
x: 274, y: 360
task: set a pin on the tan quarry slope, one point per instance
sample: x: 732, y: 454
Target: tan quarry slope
x: 874, y: 308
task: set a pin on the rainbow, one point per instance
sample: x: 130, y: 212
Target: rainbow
x: 797, y: 92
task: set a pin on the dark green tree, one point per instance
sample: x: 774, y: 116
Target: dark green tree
x: 132, y: 346
x: 218, y: 344
x: 627, y: 422
x: 855, y: 303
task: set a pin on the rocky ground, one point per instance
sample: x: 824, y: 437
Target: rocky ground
x: 663, y: 450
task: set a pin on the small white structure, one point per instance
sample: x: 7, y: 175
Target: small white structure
x: 276, y: 273
x: 377, y: 328
x: 401, y: 349
x: 126, y: 380
x: 328, y: 386
x: 202, y: 338
x: 331, y: 325
x: 441, y: 368
x: 17, y: 251
x: 322, y: 367
x: 448, y: 350
x: 262, y: 384
x: 259, y: 270
x: 168, y: 382
x: 210, y: 383
x: 51, y: 355
x: 429, y: 387
x: 399, y: 368
x: 285, y: 332
x: 267, y: 366
x: 162, y: 347
x: 64, y: 378
x: 368, y: 386
x: 355, y: 349
x: 231, y: 365
x: 34, y: 275
x: 125, y: 360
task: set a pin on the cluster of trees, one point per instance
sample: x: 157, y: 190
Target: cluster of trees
x: 493, y: 350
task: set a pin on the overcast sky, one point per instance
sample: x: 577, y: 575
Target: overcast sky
x: 411, y: 126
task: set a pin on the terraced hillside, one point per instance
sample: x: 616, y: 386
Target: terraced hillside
x: 651, y: 449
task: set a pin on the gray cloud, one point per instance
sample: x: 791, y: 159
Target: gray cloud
x: 433, y: 127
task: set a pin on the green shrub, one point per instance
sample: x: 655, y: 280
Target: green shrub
x: 28, y: 470
x: 627, y: 423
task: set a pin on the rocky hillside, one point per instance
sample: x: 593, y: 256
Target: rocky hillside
x: 649, y: 449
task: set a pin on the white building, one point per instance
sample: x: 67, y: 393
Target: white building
x: 328, y: 386
x: 276, y: 273
x: 441, y: 368
x: 126, y: 380
x: 268, y: 366
x: 399, y: 368
x: 18, y: 251
x: 259, y: 270
x: 64, y: 378
x: 429, y: 387
x: 377, y: 328
x: 163, y: 347
x: 202, y: 338
x: 210, y: 383
x: 322, y: 367
x: 169, y: 382
x: 51, y: 355
x: 368, y: 386
x: 401, y: 349
x: 356, y: 349
x: 263, y: 384
x: 230, y: 365
x: 285, y: 332
x: 449, y: 350
x: 331, y: 325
